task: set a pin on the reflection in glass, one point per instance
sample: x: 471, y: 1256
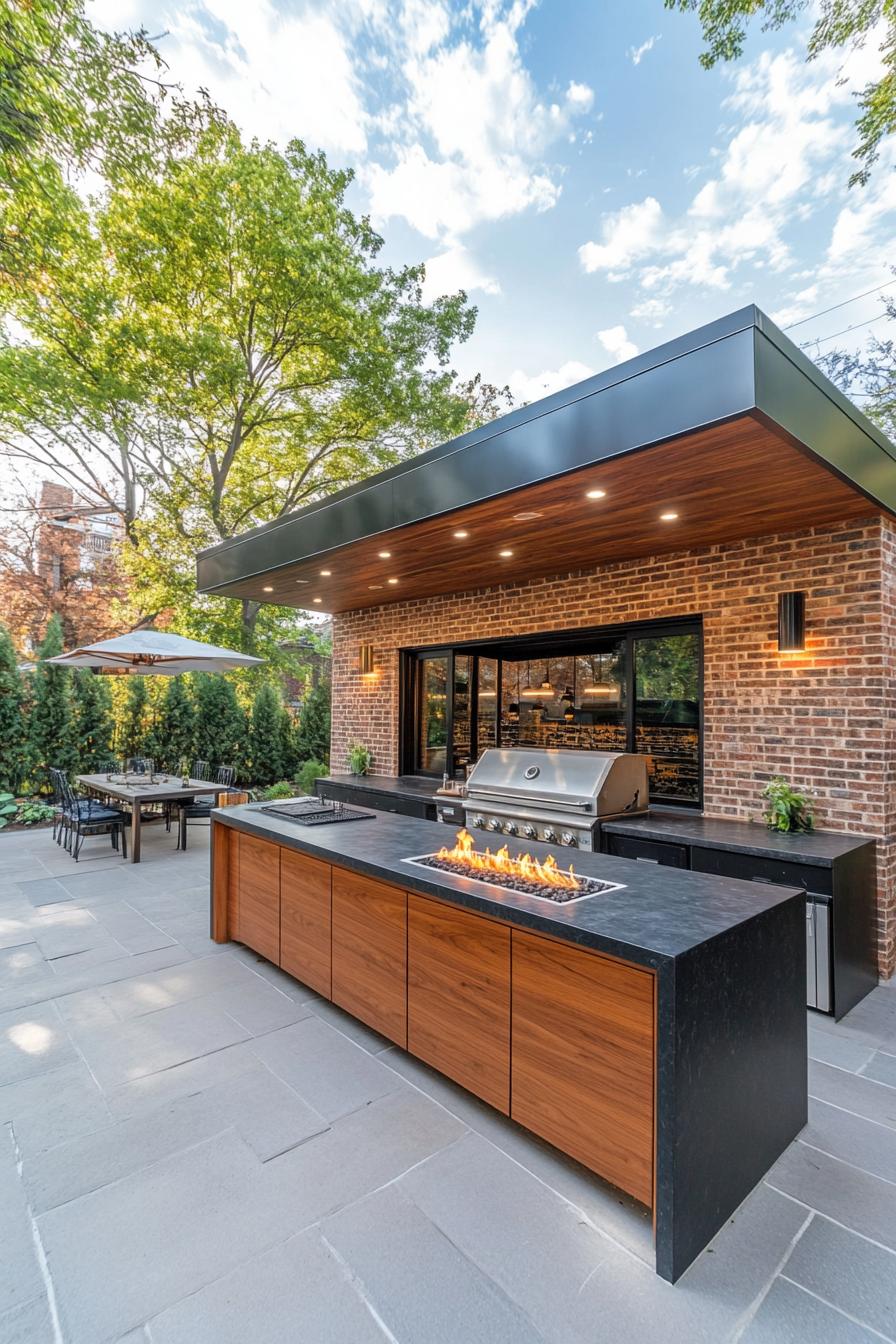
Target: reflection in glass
x: 667, y: 714
x: 432, y: 716
x: 487, y: 704
x: 461, y: 725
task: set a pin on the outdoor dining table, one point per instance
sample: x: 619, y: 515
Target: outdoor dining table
x: 137, y: 791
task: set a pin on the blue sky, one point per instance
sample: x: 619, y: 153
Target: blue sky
x: 570, y: 164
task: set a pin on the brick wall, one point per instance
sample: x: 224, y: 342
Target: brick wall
x: 825, y: 718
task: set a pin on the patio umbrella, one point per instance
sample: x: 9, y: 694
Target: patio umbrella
x: 151, y: 653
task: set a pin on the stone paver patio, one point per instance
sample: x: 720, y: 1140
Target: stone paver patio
x: 198, y: 1150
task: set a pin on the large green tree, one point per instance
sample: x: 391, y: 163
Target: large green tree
x: 173, y: 732
x: 313, y: 736
x: 135, y: 719
x: 838, y: 24
x: 51, y: 728
x: 94, y: 726
x: 221, y: 724
x: 13, y: 754
x: 265, y: 747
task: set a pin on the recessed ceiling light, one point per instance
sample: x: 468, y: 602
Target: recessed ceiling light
x: 391, y: 580
x: 506, y: 554
x: 527, y: 515
x: 325, y: 573
x: 384, y: 555
x: 595, y: 494
x: 267, y: 588
x: 374, y: 585
x: 317, y: 599
x: 303, y: 581
x: 668, y: 517
x: 461, y: 534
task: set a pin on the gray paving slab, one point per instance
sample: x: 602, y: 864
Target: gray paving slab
x: 52, y: 1108
x: 881, y: 1068
x: 849, y: 1196
x: 136, y: 995
x: 622, y: 1218
x: 161, y: 1234
x: 258, y: 1006
x: 349, y: 1026
x: 70, y: 981
x: 191, y: 931
x: 158, y: 1089
x: 361, y: 1152
x: 32, y: 1041
x: 853, y: 1092
x: 24, y: 965
x: 119, y: 1053
x: 30, y: 1323
x: 849, y: 1272
x: 297, y: 1291
x: 266, y: 1114
x: 44, y: 891
x: 21, y: 1280
x: 421, y: 1286
x: 788, y: 1315
x: 829, y: 1047
x: 864, y: 1143
x: 334, y: 1075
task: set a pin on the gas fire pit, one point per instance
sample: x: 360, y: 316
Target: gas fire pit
x: 521, y: 874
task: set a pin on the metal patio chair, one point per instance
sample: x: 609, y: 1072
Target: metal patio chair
x: 200, y: 807
x: 84, y: 817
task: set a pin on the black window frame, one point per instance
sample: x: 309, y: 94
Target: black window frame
x: 536, y: 646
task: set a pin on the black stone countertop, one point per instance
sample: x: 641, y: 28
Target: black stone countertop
x: 659, y: 915
x: 818, y: 848
x: 405, y: 786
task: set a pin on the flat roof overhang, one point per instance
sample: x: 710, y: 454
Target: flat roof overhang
x: 730, y: 427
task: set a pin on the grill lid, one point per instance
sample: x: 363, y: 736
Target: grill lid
x: 558, y: 778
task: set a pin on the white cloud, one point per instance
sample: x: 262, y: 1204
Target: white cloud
x: 780, y: 164
x: 637, y: 54
x: 617, y: 344
x: 279, y: 75
x: 532, y: 387
x: 453, y: 270
x: 627, y: 235
x: 652, y: 310
x: 476, y: 132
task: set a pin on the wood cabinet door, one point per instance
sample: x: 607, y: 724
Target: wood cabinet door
x: 582, y: 1066
x: 305, y: 894
x: 459, y: 997
x: 370, y: 952
x: 258, y: 899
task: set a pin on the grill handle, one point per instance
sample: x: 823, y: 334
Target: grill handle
x: 503, y: 799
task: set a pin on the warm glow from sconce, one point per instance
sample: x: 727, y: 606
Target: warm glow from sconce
x: 365, y: 660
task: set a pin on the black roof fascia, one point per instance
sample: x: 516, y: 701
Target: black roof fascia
x: 737, y: 364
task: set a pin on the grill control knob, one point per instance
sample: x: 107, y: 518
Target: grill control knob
x: 510, y: 827
x: 550, y: 835
x: 567, y: 838
x: 494, y: 824
x: 530, y: 832
x: 478, y: 820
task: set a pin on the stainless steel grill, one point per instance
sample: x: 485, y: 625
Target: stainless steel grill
x: 557, y: 796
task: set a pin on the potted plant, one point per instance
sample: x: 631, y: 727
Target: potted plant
x: 359, y: 758
x: 786, y: 810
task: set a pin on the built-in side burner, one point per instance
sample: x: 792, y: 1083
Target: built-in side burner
x: 315, y: 812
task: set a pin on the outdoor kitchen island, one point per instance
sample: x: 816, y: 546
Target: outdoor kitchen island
x: 655, y: 1031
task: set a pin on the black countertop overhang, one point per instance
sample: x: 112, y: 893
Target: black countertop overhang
x: 659, y: 915
x: 730, y: 427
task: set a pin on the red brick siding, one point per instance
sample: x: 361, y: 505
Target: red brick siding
x: 824, y: 718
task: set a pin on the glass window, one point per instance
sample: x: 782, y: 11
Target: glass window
x: 486, y: 703
x: 431, y: 747
x: 667, y: 714
x: 462, y: 711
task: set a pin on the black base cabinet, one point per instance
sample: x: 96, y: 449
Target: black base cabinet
x: 837, y: 871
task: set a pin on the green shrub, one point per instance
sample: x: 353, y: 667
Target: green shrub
x: 308, y: 773
x: 30, y: 811
x: 8, y: 808
x: 282, y: 789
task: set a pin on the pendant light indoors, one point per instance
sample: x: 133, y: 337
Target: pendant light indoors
x: 601, y: 686
x: 537, y: 692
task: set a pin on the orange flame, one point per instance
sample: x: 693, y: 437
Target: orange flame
x: 547, y: 871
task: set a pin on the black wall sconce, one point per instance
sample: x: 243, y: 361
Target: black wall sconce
x: 791, y: 622
x: 365, y: 660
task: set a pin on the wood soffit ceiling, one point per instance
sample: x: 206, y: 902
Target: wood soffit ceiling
x: 731, y: 481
